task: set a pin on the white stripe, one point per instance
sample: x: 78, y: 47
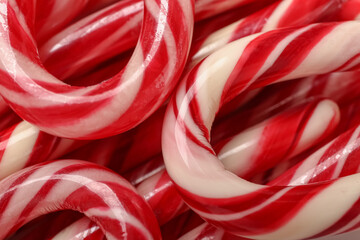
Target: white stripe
x: 18, y: 149
x: 316, y: 216
x: 326, y: 112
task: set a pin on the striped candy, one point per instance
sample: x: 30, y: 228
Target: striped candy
x: 309, y: 123
x: 23, y: 145
x: 238, y: 206
x: 100, y: 36
x: 126, y: 99
x: 280, y: 14
x: 279, y: 138
x: 341, y: 87
x: 104, y: 197
x: 337, y: 159
x: 104, y: 34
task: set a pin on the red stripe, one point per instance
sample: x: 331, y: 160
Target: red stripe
x: 280, y: 137
x: 274, y: 215
x: 19, y: 39
x: 4, y: 139
x: 7, y: 196
x: 165, y: 194
x: 43, y: 148
x: 295, y: 53
x: 318, y: 85
x: 252, y: 59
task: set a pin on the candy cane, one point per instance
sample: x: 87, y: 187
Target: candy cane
x: 280, y: 14
x: 278, y: 138
x: 313, y: 122
x: 304, y: 127
x: 101, y: 195
x: 60, y: 109
x: 24, y: 145
x: 192, y: 164
x: 349, y: 120
x: 95, y: 38
x: 332, y: 161
x: 339, y: 87
x: 128, y: 150
x: 109, y: 26
x: 101, y: 35
x: 337, y: 159
x: 243, y: 154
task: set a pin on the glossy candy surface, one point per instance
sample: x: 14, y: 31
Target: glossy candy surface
x: 101, y: 195
x: 217, y: 195
x: 190, y: 119
x: 126, y: 99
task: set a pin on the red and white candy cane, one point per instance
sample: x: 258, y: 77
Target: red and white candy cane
x: 126, y: 99
x: 217, y: 195
x: 103, y: 196
x: 102, y: 35
x: 349, y: 120
x: 280, y: 14
x: 341, y: 87
x: 337, y: 159
x: 23, y: 145
x: 279, y: 138
x: 313, y: 122
x: 93, y: 39
x: 304, y: 126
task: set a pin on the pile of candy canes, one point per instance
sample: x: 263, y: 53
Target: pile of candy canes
x: 179, y: 119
